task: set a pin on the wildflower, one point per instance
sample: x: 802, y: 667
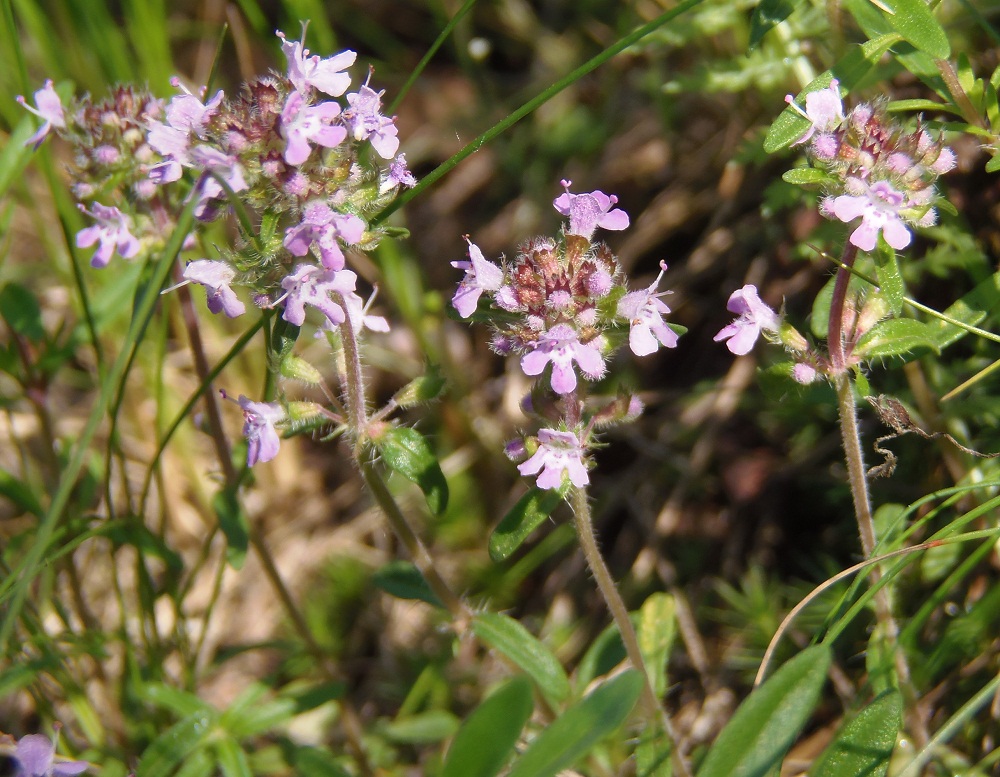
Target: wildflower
x: 879, y: 207
x: 309, y: 285
x: 754, y: 316
x: 187, y: 112
x: 216, y: 276
x: 480, y: 275
x: 824, y: 110
x: 645, y: 310
x: 301, y: 124
x: 558, y: 453
x: 112, y: 230
x: 561, y: 345
x: 365, y: 121
x: 804, y: 373
x: 322, y: 225
x: 48, y: 107
x: 307, y: 72
x: 587, y: 212
x: 357, y: 312
x: 35, y: 755
x: 399, y: 175
x: 259, y: 419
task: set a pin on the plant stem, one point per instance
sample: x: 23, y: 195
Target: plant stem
x: 835, y: 327
x: 619, y: 612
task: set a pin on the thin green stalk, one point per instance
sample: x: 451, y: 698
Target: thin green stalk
x: 533, y: 104
x: 619, y: 612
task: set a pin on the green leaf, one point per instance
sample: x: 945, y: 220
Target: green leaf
x: 20, y: 493
x: 914, y: 20
x: 406, y: 451
x: 516, y: 643
x: 425, y: 727
x: 404, y: 581
x: 863, y: 746
x: 19, y: 308
x: 488, y: 736
x: 894, y: 337
x: 767, y: 15
x: 522, y: 519
x: 766, y: 725
x: 656, y: 632
x: 232, y: 760
x: 819, y: 321
x: 970, y: 309
x: 174, y: 745
x: 994, y: 164
x: 803, y: 176
x: 572, y: 735
x: 178, y: 701
x: 234, y: 524
x: 890, y: 281
x: 791, y: 125
x: 131, y: 532
x: 315, y: 762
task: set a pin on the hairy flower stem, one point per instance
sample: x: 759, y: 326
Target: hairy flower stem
x: 619, y: 612
x: 357, y: 412
x: 835, y: 327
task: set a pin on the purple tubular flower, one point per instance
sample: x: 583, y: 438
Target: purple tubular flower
x: 301, y: 124
x: 365, y: 121
x: 313, y: 72
x: 558, y: 453
x: 322, y: 225
x: 480, y: 275
x: 309, y: 285
x: 879, y: 208
x: 187, y: 112
x: 587, y: 212
x: 399, y: 175
x: 216, y: 276
x: 754, y: 316
x: 824, y: 110
x: 259, y: 419
x: 561, y: 345
x: 49, y: 109
x: 112, y: 230
x: 35, y: 755
x: 645, y: 310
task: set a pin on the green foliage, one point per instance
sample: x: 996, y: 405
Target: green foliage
x: 862, y: 748
x: 406, y: 451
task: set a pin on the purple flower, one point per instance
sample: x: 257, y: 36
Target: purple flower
x: 216, y: 276
x: 309, y: 285
x: 112, y: 230
x: 307, y: 72
x: 824, y: 110
x: 301, y: 124
x: 49, y: 109
x: 561, y: 345
x: 587, y: 212
x: 480, y: 275
x: 645, y: 310
x: 322, y: 225
x: 259, y: 419
x: 35, y: 754
x: 879, y: 208
x: 365, y: 121
x: 558, y: 452
x: 754, y: 316
x: 399, y: 175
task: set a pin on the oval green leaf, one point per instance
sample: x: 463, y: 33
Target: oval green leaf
x: 914, y: 20
x: 863, y: 746
x: 407, y: 451
x: 174, y: 745
x: 516, y: 643
x: 403, y: 580
x: 894, y: 337
x: 522, y: 519
x: 766, y: 725
x: 572, y: 735
x: 766, y: 16
x: 488, y: 736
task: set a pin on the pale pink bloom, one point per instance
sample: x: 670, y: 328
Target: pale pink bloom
x: 878, y: 206
x: 307, y: 72
x: 754, y: 316
x: 302, y: 124
x: 480, y: 275
x: 112, y: 231
x: 561, y: 346
x: 49, y: 109
x: 398, y: 175
x: 558, y: 453
x: 259, y: 419
x: 365, y: 121
x: 824, y: 110
x: 322, y: 225
x: 645, y: 310
x: 309, y: 285
x: 587, y: 212
x: 216, y: 276
x: 35, y: 757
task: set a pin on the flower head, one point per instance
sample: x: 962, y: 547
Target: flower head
x: 365, y: 121
x: 754, y: 316
x: 216, y: 276
x: 645, y: 309
x: 313, y: 72
x: 322, y: 225
x: 112, y: 230
x: 35, y: 755
x: 309, y: 285
x: 302, y: 124
x: 879, y: 207
x: 587, y: 212
x: 398, y: 175
x: 558, y: 453
x: 259, y: 419
x: 480, y: 275
x: 824, y: 110
x: 48, y: 107
x: 561, y: 346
